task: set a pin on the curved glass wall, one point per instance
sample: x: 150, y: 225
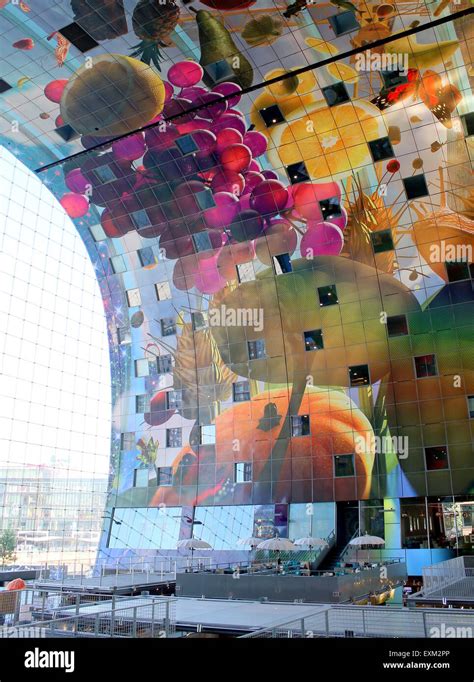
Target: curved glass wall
x: 55, y: 388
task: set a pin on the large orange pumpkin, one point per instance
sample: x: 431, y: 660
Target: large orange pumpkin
x: 249, y: 431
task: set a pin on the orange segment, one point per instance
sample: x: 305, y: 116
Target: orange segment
x: 321, y: 46
x: 288, y: 105
x: 343, y: 72
x: 330, y: 141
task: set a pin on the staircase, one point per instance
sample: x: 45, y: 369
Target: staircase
x: 335, y: 555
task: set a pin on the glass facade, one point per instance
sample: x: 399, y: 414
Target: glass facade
x: 55, y: 388
x: 286, y: 270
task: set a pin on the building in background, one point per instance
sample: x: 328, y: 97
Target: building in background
x: 56, y: 516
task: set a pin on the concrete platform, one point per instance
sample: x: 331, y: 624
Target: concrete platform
x: 232, y: 617
x: 226, y: 616
x: 238, y: 616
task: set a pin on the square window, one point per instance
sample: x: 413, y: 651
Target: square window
x: 142, y: 368
x: 219, y: 71
x: 147, y: 257
x: 393, y: 77
x: 470, y: 406
x: 242, y: 472
x: 359, y: 375
x: 468, y: 123
x: 140, y: 478
x: 382, y: 241
x: 330, y: 208
x: 343, y: 466
x: 127, y: 440
x: 335, y: 94
x: 140, y: 219
x: 207, y: 435
x: 202, y: 241
x: 142, y: 404
x: 104, y: 174
x: 169, y: 210
x: 397, y: 325
x: 457, y: 271
x: 297, y: 172
x: 327, y: 295
x: 241, y: 391
x: 381, y: 149
x: 165, y: 476
x: 4, y: 86
x: 300, y: 425
x: 124, y: 336
x: 134, y: 298
x: 168, y: 326
x: 313, y: 340
x: 66, y: 133
x: 97, y: 232
x: 245, y: 272
x: 282, y: 264
x: 344, y: 22
x: 436, y: 458
x: 199, y: 320
x: 174, y: 438
x: 272, y: 115
x: 186, y: 145
x: 174, y: 400
x: 415, y: 187
x: 425, y: 366
x: 164, y: 364
x: 118, y: 264
x: 205, y: 199
x: 256, y: 349
x: 163, y: 291
x: 78, y: 37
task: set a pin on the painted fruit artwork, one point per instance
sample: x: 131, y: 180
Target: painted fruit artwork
x: 362, y: 294
x: 199, y: 201
x: 335, y: 423
x: 131, y: 92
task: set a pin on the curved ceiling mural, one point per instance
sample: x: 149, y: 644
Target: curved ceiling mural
x: 278, y: 203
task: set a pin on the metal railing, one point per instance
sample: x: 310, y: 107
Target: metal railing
x: 453, y: 579
x: 111, y: 574
x: 372, y: 621
x: 128, y: 617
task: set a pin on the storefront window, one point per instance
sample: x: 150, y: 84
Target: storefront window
x: 442, y: 522
x: 414, y: 526
x: 460, y: 524
x: 372, y: 517
x: 311, y: 520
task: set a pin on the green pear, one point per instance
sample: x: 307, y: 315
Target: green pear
x: 216, y: 46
